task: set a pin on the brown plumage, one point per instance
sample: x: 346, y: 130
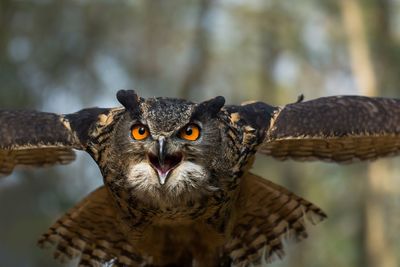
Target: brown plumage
x: 177, y: 187
x: 92, y: 231
x: 338, y: 128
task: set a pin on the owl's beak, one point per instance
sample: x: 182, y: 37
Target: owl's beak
x: 164, y: 163
x: 161, y: 150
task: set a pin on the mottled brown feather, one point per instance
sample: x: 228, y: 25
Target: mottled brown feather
x: 337, y: 128
x: 267, y: 214
x: 37, y: 157
x: 91, y: 231
x: 241, y: 219
x: 38, y: 139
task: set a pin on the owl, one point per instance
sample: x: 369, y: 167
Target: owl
x: 178, y: 190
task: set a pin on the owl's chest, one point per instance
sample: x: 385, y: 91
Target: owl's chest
x: 180, y: 242
x: 182, y: 235
x: 184, y: 212
x: 211, y: 211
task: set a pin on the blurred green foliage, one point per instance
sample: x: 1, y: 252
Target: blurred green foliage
x: 61, y: 56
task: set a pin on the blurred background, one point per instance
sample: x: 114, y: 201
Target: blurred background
x: 61, y: 56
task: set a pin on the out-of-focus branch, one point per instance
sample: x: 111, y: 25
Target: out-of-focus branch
x: 200, y: 52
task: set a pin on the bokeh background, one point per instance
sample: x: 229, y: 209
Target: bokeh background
x: 61, y: 56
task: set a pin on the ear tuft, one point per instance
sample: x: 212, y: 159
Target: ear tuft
x: 129, y: 99
x: 212, y: 106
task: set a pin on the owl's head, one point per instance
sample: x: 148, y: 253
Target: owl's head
x: 165, y: 147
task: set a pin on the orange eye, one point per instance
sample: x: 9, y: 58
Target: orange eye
x: 190, y: 132
x: 139, y: 132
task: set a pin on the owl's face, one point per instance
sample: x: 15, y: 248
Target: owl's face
x: 167, y: 147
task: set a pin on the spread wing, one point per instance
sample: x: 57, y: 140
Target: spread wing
x: 337, y: 128
x: 267, y: 214
x: 340, y: 128
x: 33, y: 138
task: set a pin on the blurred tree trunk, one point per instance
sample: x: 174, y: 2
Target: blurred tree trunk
x: 270, y: 52
x: 377, y: 251
x: 200, y: 52
x: 385, y: 47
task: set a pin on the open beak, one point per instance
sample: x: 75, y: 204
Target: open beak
x: 163, y: 162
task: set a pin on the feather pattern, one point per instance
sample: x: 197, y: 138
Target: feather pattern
x: 267, y: 214
x: 39, y: 139
x: 338, y: 128
x: 210, y: 211
x: 92, y: 232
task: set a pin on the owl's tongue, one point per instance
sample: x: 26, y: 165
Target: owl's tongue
x: 163, y: 169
